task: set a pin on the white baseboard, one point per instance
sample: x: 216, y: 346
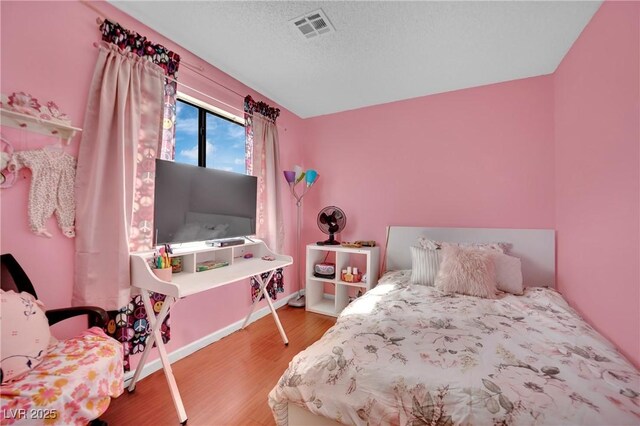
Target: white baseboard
x: 190, y: 348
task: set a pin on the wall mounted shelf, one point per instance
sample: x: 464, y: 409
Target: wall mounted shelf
x: 38, y: 125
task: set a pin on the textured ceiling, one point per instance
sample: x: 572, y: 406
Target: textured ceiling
x: 380, y: 52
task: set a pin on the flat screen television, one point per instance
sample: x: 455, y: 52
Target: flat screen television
x: 198, y: 204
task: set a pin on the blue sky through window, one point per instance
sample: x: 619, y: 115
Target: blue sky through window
x: 225, y: 140
x: 186, y: 133
x: 225, y: 145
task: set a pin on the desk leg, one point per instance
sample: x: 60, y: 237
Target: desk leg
x: 150, y: 341
x: 156, y: 328
x: 263, y: 285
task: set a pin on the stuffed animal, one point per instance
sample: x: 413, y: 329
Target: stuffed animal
x: 6, y: 151
x: 5, y: 157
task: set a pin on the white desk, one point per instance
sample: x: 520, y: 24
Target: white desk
x: 190, y: 282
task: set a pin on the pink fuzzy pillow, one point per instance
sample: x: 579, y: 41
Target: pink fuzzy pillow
x: 467, y: 271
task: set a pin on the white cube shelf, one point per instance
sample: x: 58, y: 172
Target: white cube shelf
x: 365, y: 258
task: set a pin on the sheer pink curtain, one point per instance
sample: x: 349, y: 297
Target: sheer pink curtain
x: 266, y: 165
x: 263, y: 161
x: 121, y: 133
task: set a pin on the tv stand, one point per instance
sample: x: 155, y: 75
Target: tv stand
x: 189, y: 282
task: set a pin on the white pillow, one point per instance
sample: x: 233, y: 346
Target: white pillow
x: 424, y: 265
x: 508, y: 273
x: 434, y: 245
x: 25, y: 334
x: 429, y: 244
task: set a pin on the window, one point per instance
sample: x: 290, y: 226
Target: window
x: 209, y: 139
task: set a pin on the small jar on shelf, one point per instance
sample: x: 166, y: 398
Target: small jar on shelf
x: 351, y: 275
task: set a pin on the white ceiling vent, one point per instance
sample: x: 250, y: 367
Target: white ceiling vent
x: 313, y: 24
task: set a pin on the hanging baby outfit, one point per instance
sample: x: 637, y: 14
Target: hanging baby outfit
x: 52, y: 188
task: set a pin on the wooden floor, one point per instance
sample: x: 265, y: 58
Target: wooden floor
x: 226, y: 383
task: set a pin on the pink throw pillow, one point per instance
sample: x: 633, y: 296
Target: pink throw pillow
x: 25, y: 334
x: 508, y: 273
x: 467, y: 271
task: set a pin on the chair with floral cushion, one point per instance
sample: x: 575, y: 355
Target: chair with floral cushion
x: 46, y: 381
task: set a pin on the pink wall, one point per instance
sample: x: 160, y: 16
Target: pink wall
x: 47, y: 51
x: 479, y: 157
x: 597, y: 132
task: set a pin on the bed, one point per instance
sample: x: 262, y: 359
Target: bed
x: 412, y: 355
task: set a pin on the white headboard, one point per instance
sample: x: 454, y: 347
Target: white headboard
x: 536, y: 248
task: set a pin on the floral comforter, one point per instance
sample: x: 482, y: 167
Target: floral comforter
x: 412, y: 355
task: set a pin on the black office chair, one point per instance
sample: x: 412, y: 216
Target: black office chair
x: 13, y: 277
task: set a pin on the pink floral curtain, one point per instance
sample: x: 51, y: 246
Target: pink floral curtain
x: 124, y: 113
x: 141, y: 237
x: 129, y: 324
x: 263, y: 160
